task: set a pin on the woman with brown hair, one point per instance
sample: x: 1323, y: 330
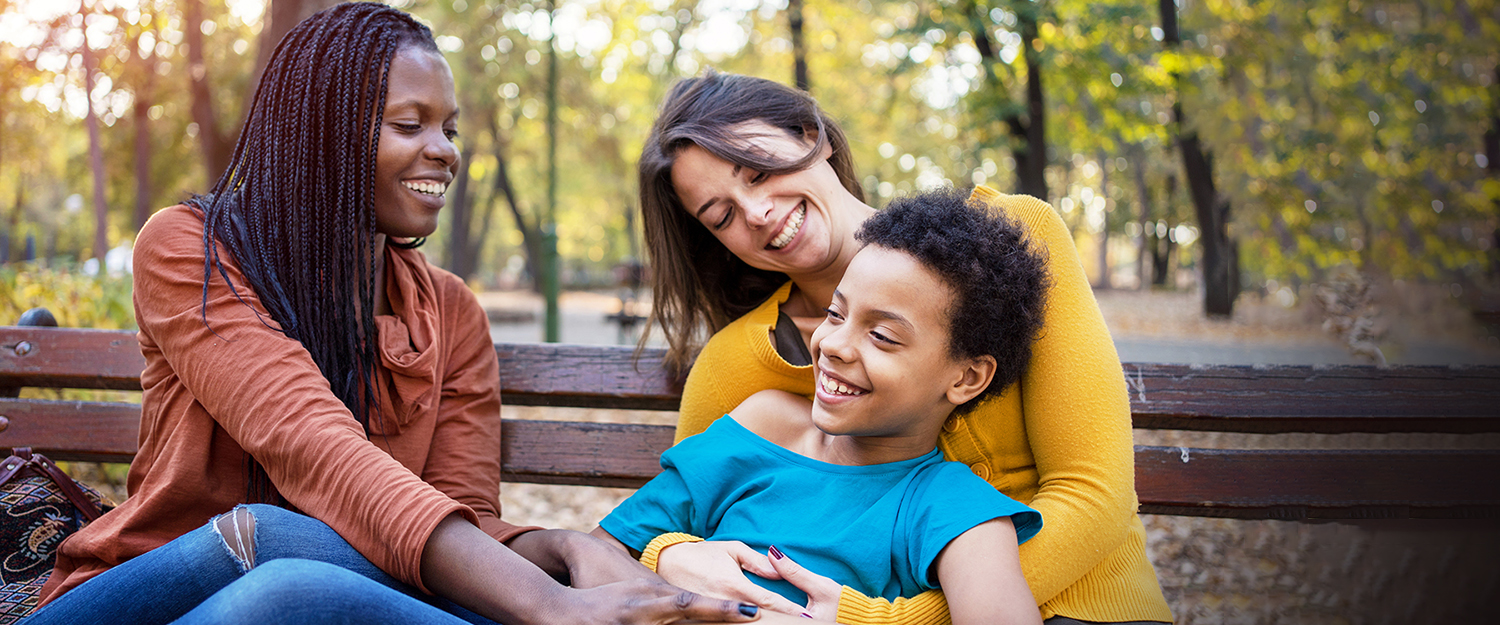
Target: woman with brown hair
x: 750, y: 204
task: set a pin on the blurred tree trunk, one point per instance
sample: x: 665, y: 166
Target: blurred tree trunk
x: 1219, y: 261
x: 1031, y: 160
x: 1030, y: 132
x: 217, y: 148
x: 96, y: 151
x: 18, y: 241
x: 279, y: 18
x: 483, y: 235
x: 10, y: 231
x: 1161, y: 242
x: 460, y: 208
x: 799, y: 45
x: 683, y: 13
x: 1103, y: 242
x: 1492, y: 152
x: 1143, y: 217
x: 142, y: 119
x: 530, y: 233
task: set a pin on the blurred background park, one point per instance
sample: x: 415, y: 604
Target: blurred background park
x: 1248, y: 182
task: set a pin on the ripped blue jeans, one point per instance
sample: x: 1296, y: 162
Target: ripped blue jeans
x: 255, y: 564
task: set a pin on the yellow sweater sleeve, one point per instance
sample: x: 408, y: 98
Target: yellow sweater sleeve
x: 928, y: 608
x: 739, y: 361
x: 1077, y: 418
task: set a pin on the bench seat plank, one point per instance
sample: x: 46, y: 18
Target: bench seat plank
x: 71, y: 430
x: 1246, y: 484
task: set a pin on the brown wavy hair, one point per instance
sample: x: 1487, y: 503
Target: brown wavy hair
x: 698, y: 286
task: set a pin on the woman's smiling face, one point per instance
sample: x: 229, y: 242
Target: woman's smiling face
x: 793, y: 223
x: 416, y: 158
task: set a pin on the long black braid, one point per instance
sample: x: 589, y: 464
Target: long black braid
x: 295, y: 209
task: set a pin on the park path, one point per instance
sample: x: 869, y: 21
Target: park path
x: 1147, y: 327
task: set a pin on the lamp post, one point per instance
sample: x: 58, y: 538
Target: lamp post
x: 549, y: 226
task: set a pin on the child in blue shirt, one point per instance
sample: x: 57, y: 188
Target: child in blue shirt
x: 936, y: 313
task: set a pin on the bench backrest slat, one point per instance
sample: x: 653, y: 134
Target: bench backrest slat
x: 622, y: 455
x: 1213, y: 398
x: 70, y: 358
x: 1318, y: 484
x: 1312, y: 484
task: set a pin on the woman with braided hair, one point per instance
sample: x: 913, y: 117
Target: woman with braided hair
x: 320, y: 432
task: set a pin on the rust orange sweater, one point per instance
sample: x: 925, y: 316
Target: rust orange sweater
x: 210, y: 398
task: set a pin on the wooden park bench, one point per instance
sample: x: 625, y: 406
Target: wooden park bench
x: 1292, y: 484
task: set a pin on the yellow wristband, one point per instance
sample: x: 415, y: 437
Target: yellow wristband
x: 653, y: 549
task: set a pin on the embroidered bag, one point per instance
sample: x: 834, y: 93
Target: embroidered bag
x: 39, y: 507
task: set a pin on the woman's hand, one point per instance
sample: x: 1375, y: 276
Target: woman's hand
x: 585, y: 560
x: 465, y: 565
x: 594, y: 562
x: 717, y: 569
x: 652, y: 602
x: 822, y: 593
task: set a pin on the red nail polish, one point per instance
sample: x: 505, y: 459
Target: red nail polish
x: 776, y: 553
x: 806, y: 615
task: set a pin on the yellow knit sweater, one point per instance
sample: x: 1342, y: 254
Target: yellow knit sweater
x: 1068, y: 453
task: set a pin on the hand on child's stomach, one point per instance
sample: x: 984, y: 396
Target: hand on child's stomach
x: 822, y: 593
x: 717, y: 569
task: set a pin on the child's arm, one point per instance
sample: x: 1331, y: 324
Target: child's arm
x: 980, y: 572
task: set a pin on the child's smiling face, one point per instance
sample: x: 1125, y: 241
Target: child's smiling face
x: 882, y: 358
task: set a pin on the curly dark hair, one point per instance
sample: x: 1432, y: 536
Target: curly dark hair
x: 999, y: 279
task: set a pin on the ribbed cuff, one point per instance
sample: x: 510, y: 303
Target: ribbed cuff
x: 928, y: 608
x: 653, y: 549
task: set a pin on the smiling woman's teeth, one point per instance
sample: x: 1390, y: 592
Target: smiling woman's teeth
x: 835, y: 387
x: 429, y: 188
x: 792, y: 226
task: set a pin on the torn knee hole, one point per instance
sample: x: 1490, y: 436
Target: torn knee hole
x: 237, y: 529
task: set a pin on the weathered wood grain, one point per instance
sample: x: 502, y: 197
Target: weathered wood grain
x: 1318, y: 484
x: 1259, y: 484
x: 71, y: 430
x: 1210, y: 398
x: 592, y: 454
x: 1252, y: 484
x: 585, y: 376
x: 70, y: 358
x: 1314, y: 399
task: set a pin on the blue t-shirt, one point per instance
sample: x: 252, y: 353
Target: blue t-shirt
x: 875, y: 528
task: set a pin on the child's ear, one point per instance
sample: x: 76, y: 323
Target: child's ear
x: 975, y: 377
